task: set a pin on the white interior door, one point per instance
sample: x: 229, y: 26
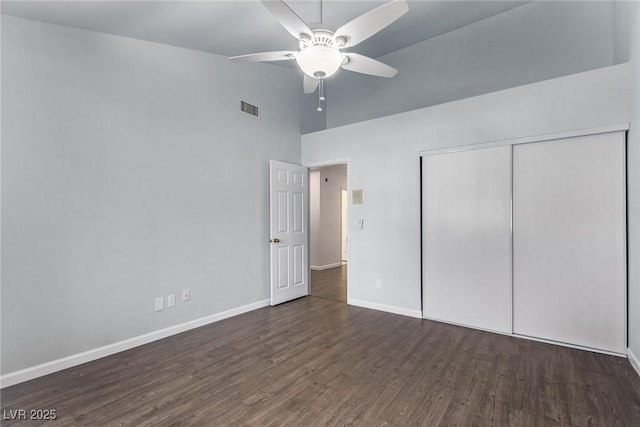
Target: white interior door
x: 289, y: 231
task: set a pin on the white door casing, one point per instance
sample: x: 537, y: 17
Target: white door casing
x: 289, y: 193
x: 344, y: 225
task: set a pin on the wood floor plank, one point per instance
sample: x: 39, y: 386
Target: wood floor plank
x: 330, y: 284
x: 317, y: 361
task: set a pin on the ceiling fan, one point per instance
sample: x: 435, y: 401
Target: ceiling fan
x: 320, y: 54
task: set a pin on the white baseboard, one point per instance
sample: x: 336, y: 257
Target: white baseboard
x: 383, y: 307
x: 90, y: 355
x: 325, y: 267
x: 635, y: 362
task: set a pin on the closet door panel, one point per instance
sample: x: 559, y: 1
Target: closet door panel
x: 467, y: 238
x: 569, y: 241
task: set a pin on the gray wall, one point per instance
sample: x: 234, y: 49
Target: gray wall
x: 534, y: 42
x: 311, y: 120
x: 128, y: 173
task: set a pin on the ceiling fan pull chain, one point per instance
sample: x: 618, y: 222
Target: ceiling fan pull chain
x: 320, y: 95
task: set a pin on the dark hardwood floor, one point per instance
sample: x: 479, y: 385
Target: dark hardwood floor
x: 319, y: 362
x: 330, y: 284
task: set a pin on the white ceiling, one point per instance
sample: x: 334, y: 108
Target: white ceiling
x: 244, y: 26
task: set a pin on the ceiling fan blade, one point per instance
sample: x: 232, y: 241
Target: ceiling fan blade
x: 281, y: 55
x: 287, y: 18
x: 366, y: 25
x: 365, y: 65
x: 310, y: 84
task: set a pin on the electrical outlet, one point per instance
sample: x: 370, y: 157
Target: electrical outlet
x: 379, y: 283
x: 159, y: 303
x: 186, y: 295
x: 171, y: 300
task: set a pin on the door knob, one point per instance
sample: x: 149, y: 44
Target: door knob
x: 276, y: 240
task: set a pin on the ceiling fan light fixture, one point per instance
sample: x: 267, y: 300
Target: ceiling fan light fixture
x: 320, y: 53
x: 319, y: 61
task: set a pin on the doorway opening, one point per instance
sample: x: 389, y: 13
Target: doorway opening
x: 344, y: 225
x: 329, y: 232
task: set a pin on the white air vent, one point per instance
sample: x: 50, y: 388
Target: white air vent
x: 245, y: 107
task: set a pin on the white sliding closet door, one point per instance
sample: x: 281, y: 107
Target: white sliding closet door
x: 569, y: 241
x: 467, y: 237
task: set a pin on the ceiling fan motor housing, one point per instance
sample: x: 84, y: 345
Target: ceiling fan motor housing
x: 319, y: 55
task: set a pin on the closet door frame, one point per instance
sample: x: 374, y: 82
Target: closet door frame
x: 622, y: 127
